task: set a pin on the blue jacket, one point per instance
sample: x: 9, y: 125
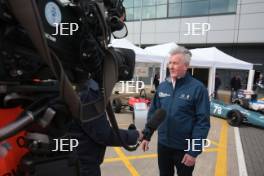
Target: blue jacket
x: 96, y: 135
x: 188, y: 113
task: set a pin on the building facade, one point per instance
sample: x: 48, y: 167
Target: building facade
x: 234, y: 26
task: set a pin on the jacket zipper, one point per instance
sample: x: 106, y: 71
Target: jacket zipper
x: 173, y: 94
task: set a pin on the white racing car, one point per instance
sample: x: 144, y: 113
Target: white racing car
x: 251, y: 100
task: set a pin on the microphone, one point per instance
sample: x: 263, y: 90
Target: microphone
x: 153, y: 124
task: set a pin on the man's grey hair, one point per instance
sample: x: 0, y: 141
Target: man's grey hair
x: 182, y: 50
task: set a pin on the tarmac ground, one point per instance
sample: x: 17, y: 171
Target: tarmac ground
x: 219, y: 159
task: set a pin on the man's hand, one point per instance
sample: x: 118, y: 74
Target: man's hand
x: 140, y: 137
x: 144, y: 145
x: 188, y: 160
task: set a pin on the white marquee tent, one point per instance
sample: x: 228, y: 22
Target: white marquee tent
x: 211, y: 58
x: 162, y: 49
x: 218, y: 59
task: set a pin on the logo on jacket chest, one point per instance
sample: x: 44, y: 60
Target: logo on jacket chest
x: 162, y: 94
x: 185, y: 96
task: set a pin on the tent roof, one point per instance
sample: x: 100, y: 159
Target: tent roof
x: 203, y: 57
x: 162, y: 49
x: 124, y: 43
x: 141, y: 54
x: 219, y: 59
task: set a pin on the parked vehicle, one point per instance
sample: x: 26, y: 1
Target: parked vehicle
x: 142, y: 98
x: 236, y: 114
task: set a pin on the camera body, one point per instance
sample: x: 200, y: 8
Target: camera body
x: 77, y: 32
x: 81, y: 51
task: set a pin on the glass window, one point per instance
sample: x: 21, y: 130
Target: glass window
x: 189, y: 0
x: 128, y: 3
x: 177, y: 8
x: 174, y: 1
x: 232, y: 6
x: 174, y: 10
x: 149, y: 2
x: 149, y: 12
x: 137, y: 13
x: 129, y: 13
x: 137, y: 3
x: 195, y: 8
x: 161, y: 11
x: 161, y: 2
x: 223, y: 6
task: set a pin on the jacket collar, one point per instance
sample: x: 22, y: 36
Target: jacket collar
x: 187, y: 76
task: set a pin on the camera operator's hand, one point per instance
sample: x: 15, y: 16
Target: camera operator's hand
x: 59, y: 124
x: 145, y: 145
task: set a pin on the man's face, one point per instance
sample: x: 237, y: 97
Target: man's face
x: 177, y: 67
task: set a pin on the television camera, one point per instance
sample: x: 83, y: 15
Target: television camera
x: 48, y: 51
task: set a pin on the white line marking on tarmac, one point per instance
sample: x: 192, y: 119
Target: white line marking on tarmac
x: 240, y: 154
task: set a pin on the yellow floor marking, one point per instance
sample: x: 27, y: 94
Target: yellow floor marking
x: 214, y: 142
x: 220, y: 149
x: 125, y: 160
x: 142, y: 156
x: 116, y: 159
x: 221, y: 160
x: 211, y: 150
x: 110, y: 160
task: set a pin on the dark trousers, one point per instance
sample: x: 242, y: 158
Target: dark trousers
x: 93, y: 139
x: 234, y: 95
x: 89, y: 153
x: 216, y: 94
x: 168, y: 158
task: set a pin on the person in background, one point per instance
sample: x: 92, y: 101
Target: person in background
x: 217, y: 85
x: 235, y: 84
x: 260, y: 80
x: 156, y: 81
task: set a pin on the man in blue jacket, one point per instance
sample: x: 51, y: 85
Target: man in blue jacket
x: 187, y: 104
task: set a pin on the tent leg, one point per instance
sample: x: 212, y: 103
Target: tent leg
x: 211, y: 81
x: 250, y: 81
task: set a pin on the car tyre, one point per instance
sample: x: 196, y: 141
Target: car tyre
x: 245, y: 103
x: 237, y: 102
x: 131, y: 108
x: 133, y: 118
x: 235, y: 118
x: 117, y: 105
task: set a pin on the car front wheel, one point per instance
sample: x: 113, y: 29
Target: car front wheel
x: 117, y: 105
x: 235, y: 118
